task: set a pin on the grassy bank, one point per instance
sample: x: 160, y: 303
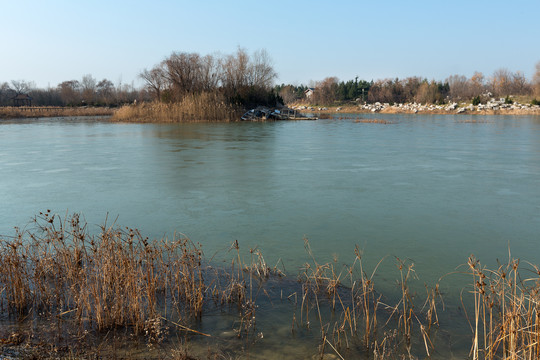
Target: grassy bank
x: 84, y: 287
x: 10, y: 112
x: 193, y: 108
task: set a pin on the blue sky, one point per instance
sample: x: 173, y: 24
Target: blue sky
x: 55, y: 40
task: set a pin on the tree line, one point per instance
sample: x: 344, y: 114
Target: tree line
x: 502, y: 83
x: 239, y: 78
x: 247, y: 79
x: 85, y: 92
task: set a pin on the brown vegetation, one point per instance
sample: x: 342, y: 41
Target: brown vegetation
x: 120, y: 279
x: 10, y: 112
x: 455, y: 88
x: 189, y: 87
x: 239, y: 79
x: 192, y: 108
x: 86, y: 92
x: 373, y: 121
x: 506, y: 321
x: 536, y: 81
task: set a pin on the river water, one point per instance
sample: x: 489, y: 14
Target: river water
x: 432, y: 189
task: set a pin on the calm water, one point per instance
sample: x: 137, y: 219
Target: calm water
x: 433, y: 189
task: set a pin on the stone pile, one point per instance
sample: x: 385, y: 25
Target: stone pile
x: 491, y: 105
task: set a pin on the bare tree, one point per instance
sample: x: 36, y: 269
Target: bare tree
x: 46, y: 97
x: 536, y: 80
x: 325, y: 91
x: 88, y: 88
x: 428, y: 93
x: 501, y: 82
x: 70, y: 92
x: 155, y: 80
x: 210, y: 68
x: 22, y: 86
x: 6, y: 93
x: 261, y: 73
x: 520, y: 85
x: 235, y: 72
x: 386, y: 91
x: 288, y: 94
x: 478, y: 83
x: 460, y: 88
x: 410, y: 88
x: 105, y: 91
x: 182, y: 71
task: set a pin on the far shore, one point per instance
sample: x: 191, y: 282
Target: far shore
x: 491, y: 108
x: 13, y: 112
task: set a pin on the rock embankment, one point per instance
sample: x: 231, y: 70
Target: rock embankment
x: 491, y: 107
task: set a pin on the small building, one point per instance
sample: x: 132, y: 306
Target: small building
x: 309, y: 92
x: 22, y: 100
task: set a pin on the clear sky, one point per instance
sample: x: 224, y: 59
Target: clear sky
x: 50, y: 41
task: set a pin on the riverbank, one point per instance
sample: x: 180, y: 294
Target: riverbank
x: 208, y: 111
x: 12, y: 112
x: 492, y: 107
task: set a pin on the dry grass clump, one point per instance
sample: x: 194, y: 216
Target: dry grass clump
x: 120, y: 279
x: 116, y: 278
x: 506, y: 308
x: 359, y: 317
x: 12, y: 112
x: 205, y: 107
x: 373, y: 121
x: 474, y: 121
x: 506, y: 311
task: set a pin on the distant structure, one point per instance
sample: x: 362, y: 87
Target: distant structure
x: 309, y: 93
x: 22, y: 100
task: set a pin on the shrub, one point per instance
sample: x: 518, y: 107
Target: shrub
x: 507, y: 100
x: 476, y: 100
x: 535, y: 102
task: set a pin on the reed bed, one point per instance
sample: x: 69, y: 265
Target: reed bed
x: 12, y: 112
x: 360, y: 317
x: 204, y: 107
x: 113, y: 279
x: 506, y: 323
x: 474, y: 121
x: 120, y: 279
x: 373, y: 121
x: 55, y: 271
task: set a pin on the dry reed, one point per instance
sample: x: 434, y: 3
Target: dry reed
x: 204, y: 107
x: 116, y: 278
x: 358, y: 312
x: 506, y: 311
x: 373, y: 121
x: 120, y: 279
x: 12, y: 112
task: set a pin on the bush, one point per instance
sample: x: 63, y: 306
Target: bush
x: 476, y: 100
x: 507, y: 100
x: 535, y: 102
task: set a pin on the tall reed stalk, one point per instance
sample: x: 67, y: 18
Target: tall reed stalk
x: 506, y: 311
